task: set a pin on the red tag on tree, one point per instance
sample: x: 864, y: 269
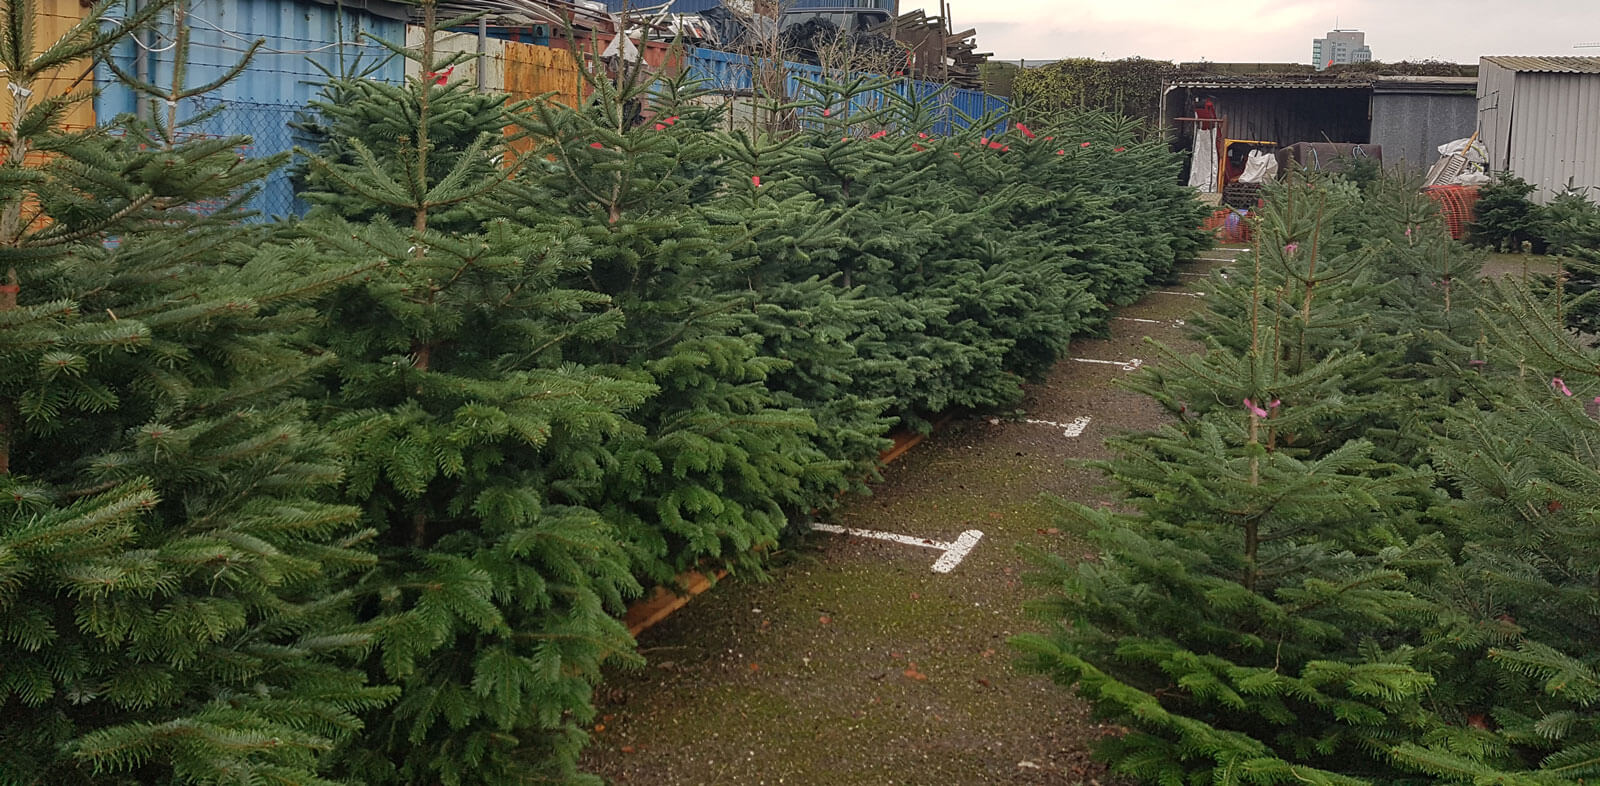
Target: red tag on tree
x: 440, y: 77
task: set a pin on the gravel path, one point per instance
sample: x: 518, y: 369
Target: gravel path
x: 856, y: 663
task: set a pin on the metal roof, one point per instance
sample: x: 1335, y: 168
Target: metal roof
x: 1548, y: 65
x: 1425, y: 84
x: 1256, y: 83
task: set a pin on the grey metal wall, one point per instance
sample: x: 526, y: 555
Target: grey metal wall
x: 1555, y: 131
x: 1412, y: 126
x: 1496, y: 96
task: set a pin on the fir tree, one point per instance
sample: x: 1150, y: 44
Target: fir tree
x: 1572, y: 221
x: 171, y: 584
x: 1256, y: 618
x: 476, y: 443
x: 721, y: 464
x: 1521, y: 458
x: 1505, y: 219
x: 829, y: 335
x: 877, y: 177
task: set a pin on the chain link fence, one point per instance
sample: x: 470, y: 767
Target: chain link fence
x: 271, y: 132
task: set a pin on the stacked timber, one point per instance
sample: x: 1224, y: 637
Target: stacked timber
x: 934, y: 52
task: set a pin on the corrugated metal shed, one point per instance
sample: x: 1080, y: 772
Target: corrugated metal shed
x: 1540, y: 119
x: 1274, y: 111
x: 1413, y: 116
x: 1548, y: 65
x: 302, y: 38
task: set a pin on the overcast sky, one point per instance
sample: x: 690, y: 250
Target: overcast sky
x: 1276, y: 31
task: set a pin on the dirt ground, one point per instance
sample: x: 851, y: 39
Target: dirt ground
x: 856, y: 663
x: 1518, y: 265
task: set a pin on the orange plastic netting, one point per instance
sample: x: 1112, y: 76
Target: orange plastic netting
x: 1456, y: 205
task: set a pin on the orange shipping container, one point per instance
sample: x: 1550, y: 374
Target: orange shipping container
x: 533, y: 70
x: 52, y: 20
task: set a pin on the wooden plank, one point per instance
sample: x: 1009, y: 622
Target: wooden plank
x: 661, y: 603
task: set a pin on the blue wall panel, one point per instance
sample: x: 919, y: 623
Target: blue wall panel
x: 728, y: 72
x: 282, y: 78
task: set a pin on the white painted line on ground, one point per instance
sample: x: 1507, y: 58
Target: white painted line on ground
x: 1172, y: 322
x: 954, y: 552
x: 958, y: 551
x: 1069, y: 430
x: 1127, y: 365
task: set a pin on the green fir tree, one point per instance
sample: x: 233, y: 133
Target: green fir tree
x: 722, y: 464
x: 172, y: 583
x: 477, y: 444
x: 1258, y: 615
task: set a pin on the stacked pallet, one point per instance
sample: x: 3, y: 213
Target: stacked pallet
x: 933, y: 51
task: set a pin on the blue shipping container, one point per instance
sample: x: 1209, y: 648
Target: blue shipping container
x: 731, y: 73
x: 302, y: 37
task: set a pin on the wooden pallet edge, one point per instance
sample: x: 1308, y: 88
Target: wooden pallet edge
x: 644, y: 613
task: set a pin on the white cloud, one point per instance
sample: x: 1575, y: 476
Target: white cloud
x: 1266, y: 31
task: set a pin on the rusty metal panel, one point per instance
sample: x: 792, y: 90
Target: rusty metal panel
x: 53, y: 19
x: 532, y: 71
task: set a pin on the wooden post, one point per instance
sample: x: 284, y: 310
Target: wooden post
x: 483, y: 51
x: 141, y: 66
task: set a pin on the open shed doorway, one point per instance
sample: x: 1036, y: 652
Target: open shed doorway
x: 1268, y: 111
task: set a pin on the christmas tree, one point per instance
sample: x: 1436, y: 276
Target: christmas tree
x: 171, y: 578
x: 476, y: 444
x: 1519, y: 458
x: 829, y: 335
x: 1572, y: 223
x: 1259, y: 616
x: 721, y: 464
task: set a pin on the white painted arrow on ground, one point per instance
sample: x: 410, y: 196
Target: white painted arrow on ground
x: 953, y: 552
x: 1070, y: 430
x: 1127, y: 365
